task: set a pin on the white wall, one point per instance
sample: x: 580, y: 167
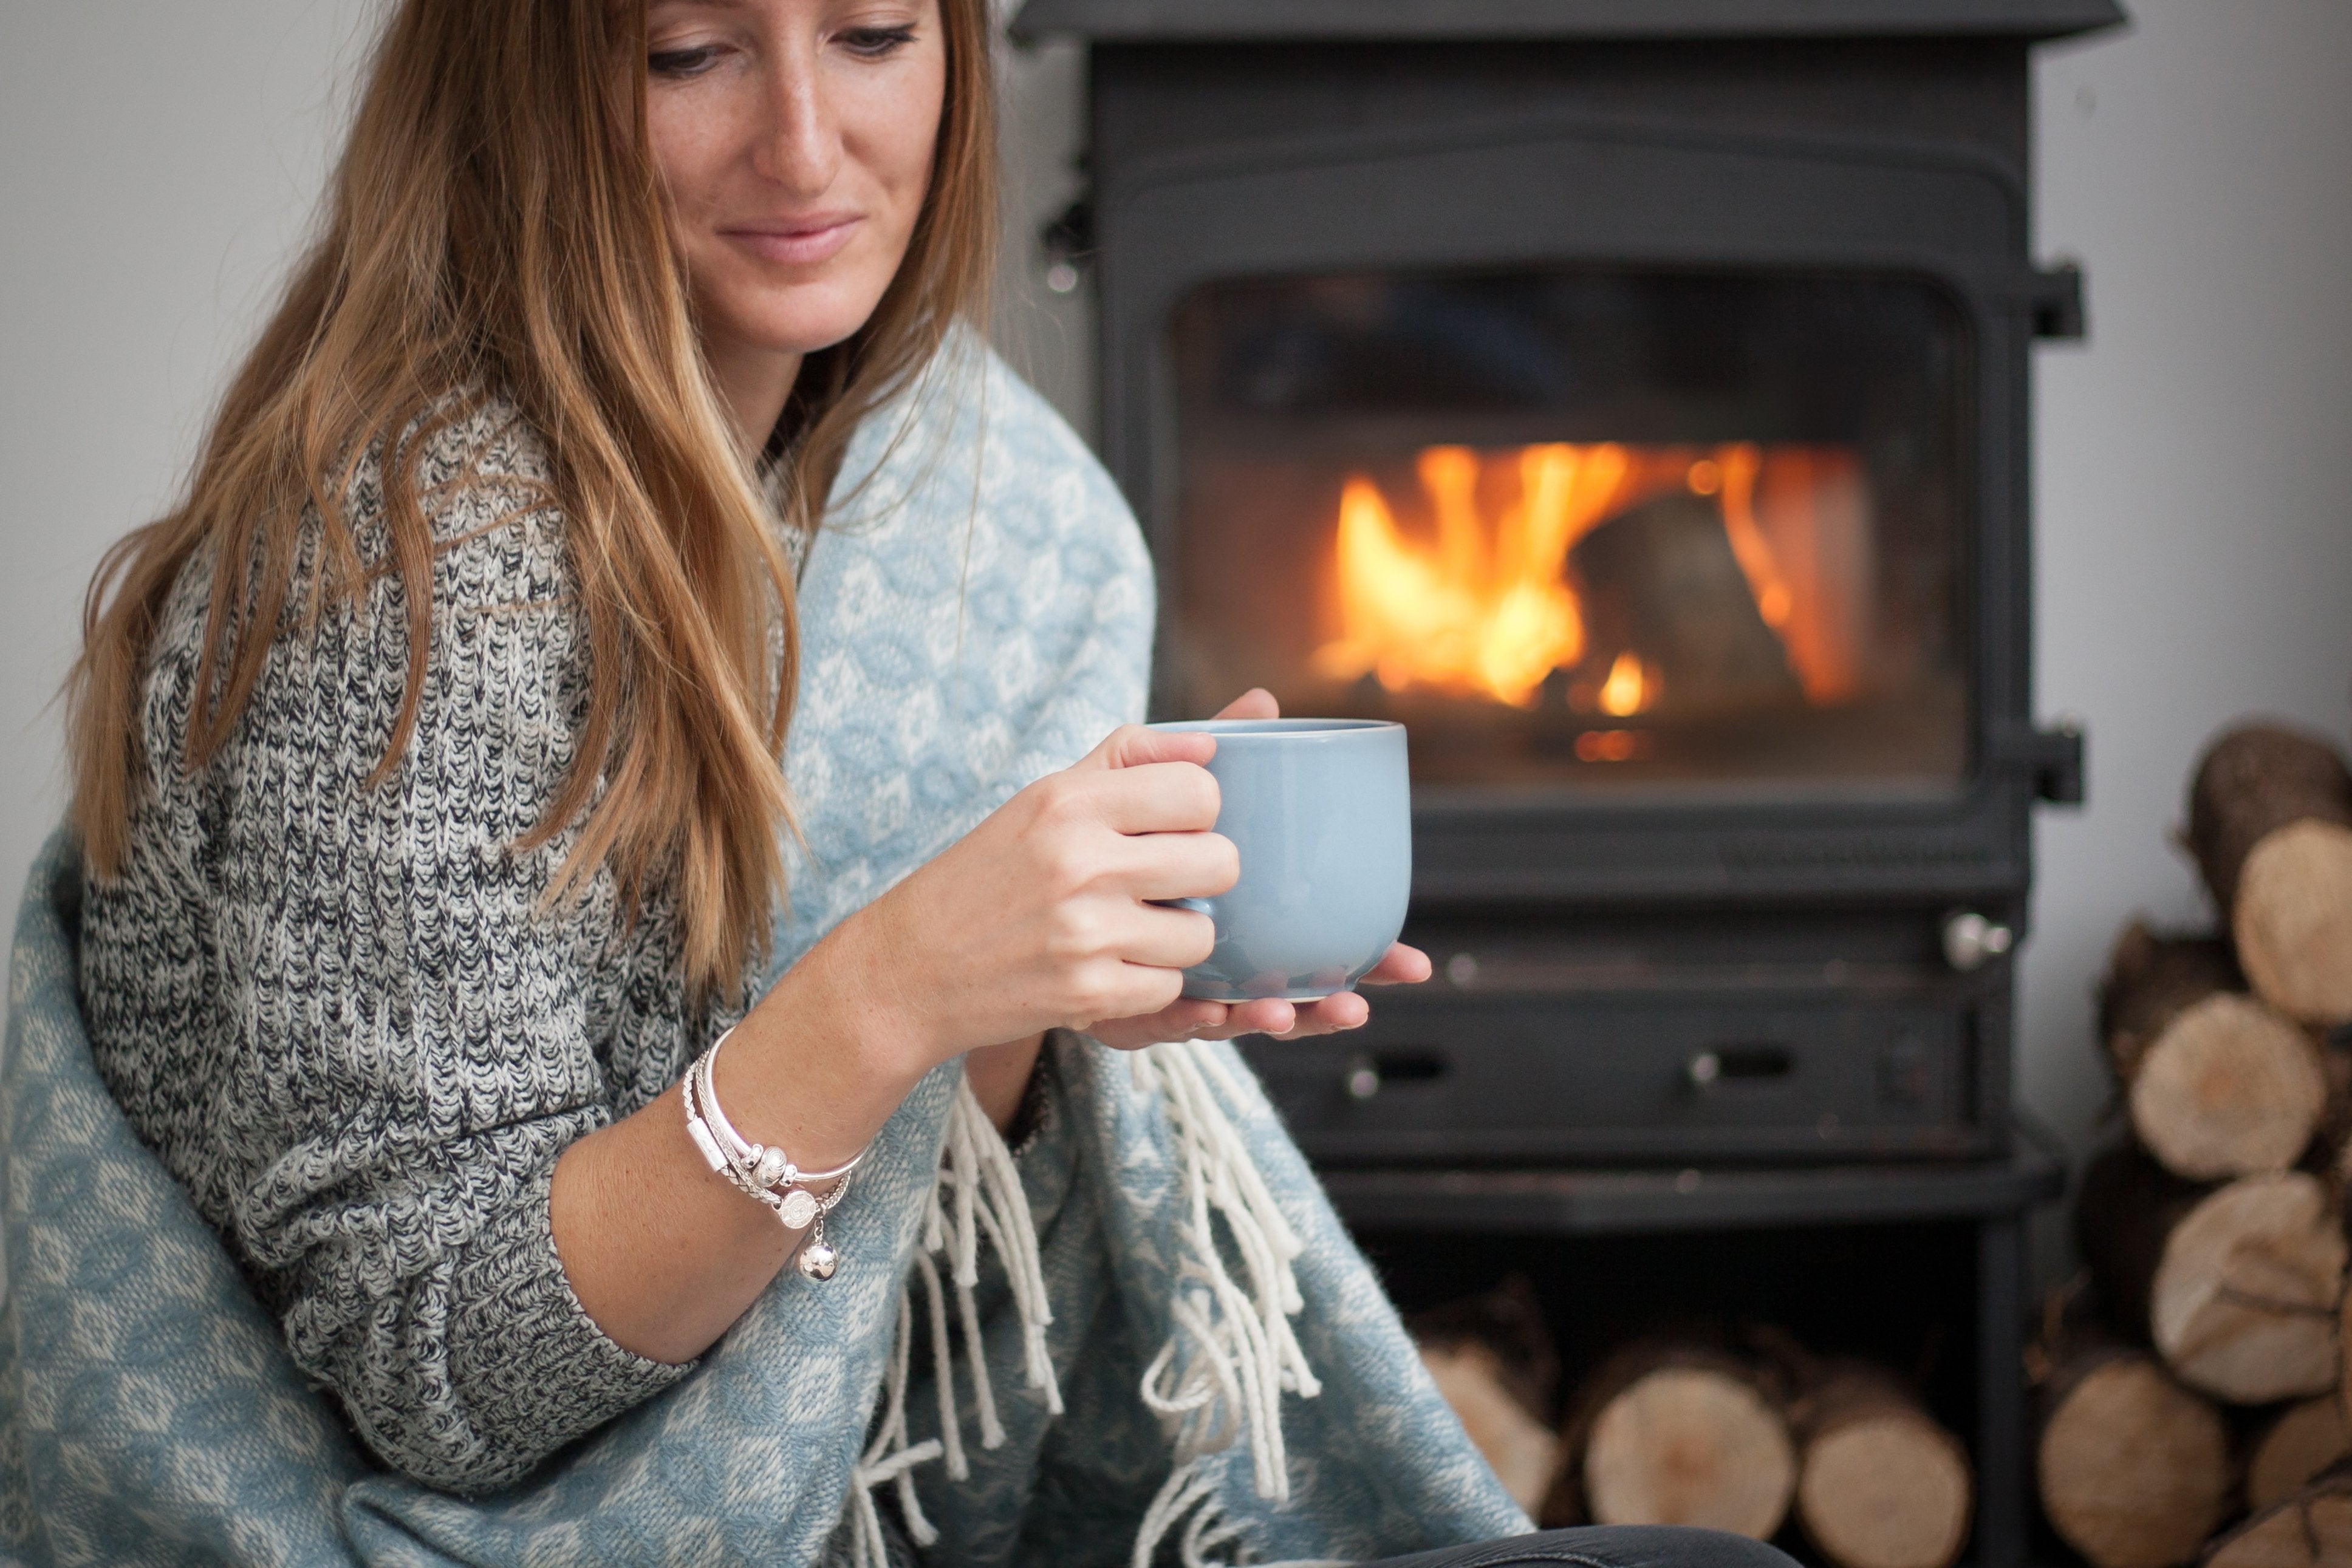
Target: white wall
x: 158, y: 162
x: 159, y: 159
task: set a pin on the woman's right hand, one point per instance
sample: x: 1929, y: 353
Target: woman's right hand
x: 1042, y: 915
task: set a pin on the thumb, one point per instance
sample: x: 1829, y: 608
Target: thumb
x: 1133, y: 746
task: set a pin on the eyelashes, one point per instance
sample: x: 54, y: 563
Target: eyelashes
x: 873, y: 43
x: 865, y: 43
x: 680, y: 63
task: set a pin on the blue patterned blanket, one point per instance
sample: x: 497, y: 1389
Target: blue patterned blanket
x: 1147, y: 1338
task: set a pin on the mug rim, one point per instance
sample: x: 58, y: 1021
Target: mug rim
x: 1305, y: 727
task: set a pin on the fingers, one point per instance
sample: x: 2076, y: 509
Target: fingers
x: 1133, y: 746
x: 1343, y: 1011
x: 1255, y: 703
x: 1165, y: 866
x: 1161, y: 938
x: 1153, y: 798
x: 1401, y: 965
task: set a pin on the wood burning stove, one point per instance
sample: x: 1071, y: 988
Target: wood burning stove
x: 1631, y: 396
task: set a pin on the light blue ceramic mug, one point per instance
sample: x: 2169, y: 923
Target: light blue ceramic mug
x: 1321, y: 812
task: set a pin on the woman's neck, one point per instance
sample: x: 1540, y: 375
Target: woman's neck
x: 754, y: 384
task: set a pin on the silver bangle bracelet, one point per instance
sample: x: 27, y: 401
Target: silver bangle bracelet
x: 760, y: 1171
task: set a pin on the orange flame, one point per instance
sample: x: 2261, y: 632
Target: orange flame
x: 1487, y: 611
x: 1486, y: 607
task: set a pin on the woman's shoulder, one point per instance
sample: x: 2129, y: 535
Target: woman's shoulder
x: 483, y: 483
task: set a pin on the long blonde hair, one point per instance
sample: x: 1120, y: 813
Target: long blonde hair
x: 495, y: 226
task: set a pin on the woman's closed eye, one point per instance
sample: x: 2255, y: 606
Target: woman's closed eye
x: 679, y: 63
x: 873, y: 43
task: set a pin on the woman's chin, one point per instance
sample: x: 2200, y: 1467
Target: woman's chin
x: 803, y: 319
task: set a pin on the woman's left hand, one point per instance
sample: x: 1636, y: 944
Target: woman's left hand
x: 1192, y: 1018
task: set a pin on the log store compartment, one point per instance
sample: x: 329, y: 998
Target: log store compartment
x: 1631, y: 397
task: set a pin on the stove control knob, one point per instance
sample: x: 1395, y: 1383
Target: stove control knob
x: 1363, y: 1080
x: 1969, y: 939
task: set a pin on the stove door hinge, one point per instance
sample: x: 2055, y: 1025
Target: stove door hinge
x: 2051, y: 759
x: 2054, y: 295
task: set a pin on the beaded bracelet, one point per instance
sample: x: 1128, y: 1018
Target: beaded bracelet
x: 760, y: 1171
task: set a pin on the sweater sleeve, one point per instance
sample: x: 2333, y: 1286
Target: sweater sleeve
x: 411, y: 1039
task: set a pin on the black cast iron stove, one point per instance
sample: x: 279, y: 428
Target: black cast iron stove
x: 1630, y: 396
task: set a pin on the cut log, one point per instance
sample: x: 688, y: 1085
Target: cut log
x: 2307, y: 1439
x: 2313, y: 1528
x: 1880, y: 1484
x: 2269, y: 821
x: 1524, y: 1452
x: 2134, y: 1468
x: 1680, y: 1435
x: 2218, y: 1084
x: 2237, y: 1286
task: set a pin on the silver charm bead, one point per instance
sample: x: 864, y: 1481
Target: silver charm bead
x: 818, y: 1259
x: 769, y: 1166
x: 798, y: 1209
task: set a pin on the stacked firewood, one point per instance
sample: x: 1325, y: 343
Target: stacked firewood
x: 1743, y: 1432
x: 2204, y: 1376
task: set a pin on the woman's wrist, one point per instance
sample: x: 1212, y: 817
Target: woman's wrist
x: 821, y: 1061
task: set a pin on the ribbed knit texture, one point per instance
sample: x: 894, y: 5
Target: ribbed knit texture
x: 340, y: 1013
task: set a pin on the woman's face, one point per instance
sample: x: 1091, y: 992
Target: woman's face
x: 796, y: 139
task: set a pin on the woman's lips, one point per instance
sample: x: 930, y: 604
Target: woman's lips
x: 796, y: 243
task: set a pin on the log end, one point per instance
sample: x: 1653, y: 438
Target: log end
x: 1524, y: 1452
x: 2246, y: 1297
x: 1889, y: 1490
x: 2229, y: 1089
x: 2309, y: 1438
x: 2311, y: 1529
x: 2293, y: 920
x: 2134, y: 1468
x: 1687, y: 1444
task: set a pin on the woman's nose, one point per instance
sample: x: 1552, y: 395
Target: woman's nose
x: 799, y: 146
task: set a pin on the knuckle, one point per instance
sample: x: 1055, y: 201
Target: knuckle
x: 1074, y: 934
x: 1066, y: 867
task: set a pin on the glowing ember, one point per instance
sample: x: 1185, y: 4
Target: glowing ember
x: 1628, y: 690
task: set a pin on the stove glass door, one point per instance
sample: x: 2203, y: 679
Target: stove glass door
x: 1602, y: 531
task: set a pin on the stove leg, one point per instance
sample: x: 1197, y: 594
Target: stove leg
x: 2001, y: 1491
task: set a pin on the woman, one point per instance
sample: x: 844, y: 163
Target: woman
x: 427, y: 780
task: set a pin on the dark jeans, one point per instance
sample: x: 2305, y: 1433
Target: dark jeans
x: 1605, y: 1546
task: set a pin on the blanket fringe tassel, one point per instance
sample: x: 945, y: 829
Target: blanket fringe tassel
x: 978, y: 1193
x: 1221, y: 1376
x: 1218, y: 1380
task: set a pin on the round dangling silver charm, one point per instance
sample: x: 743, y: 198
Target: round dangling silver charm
x: 798, y: 1209
x: 818, y: 1259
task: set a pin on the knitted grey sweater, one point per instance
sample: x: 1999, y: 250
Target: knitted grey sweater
x: 340, y: 1015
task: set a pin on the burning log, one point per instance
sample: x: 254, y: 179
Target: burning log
x: 1663, y: 578
x: 2134, y: 1468
x: 2218, y: 1084
x: 1880, y: 1484
x: 2237, y: 1285
x: 2313, y: 1528
x: 2269, y: 821
x: 1677, y: 1434
x: 2306, y: 1440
